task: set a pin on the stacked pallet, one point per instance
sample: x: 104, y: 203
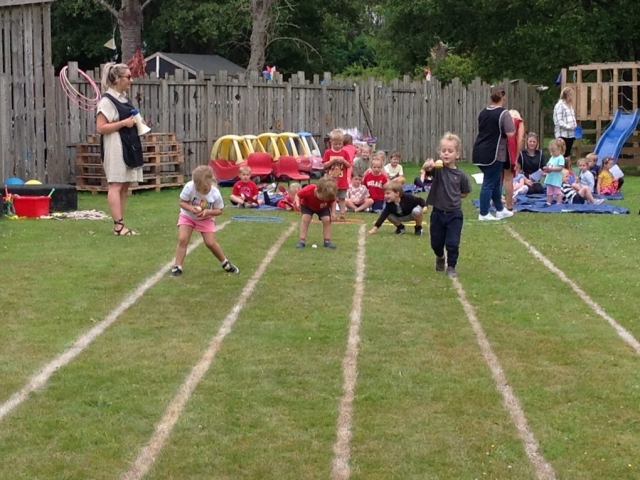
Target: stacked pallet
x: 163, y: 164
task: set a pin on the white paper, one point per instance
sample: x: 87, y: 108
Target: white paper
x: 478, y: 177
x: 536, y: 176
x: 616, y: 172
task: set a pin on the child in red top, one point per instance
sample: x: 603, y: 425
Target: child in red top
x: 245, y: 192
x: 375, y: 180
x: 287, y: 202
x: 316, y: 199
x: 337, y: 164
x: 349, y: 148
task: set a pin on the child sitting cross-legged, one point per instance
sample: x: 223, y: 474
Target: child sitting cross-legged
x: 400, y: 207
x: 607, y: 184
x: 394, y: 170
x: 375, y: 181
x: 245, y: 192
x: 575, y: 193
x: 358, y: 198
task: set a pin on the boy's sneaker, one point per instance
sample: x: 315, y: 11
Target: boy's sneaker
x: 328, y: 244
x: 301, y: 244
x: 229, y: 267
x: 487, y: 217
x: 418, y: 230
x: 451, y: 272
x: 599, y: 201
x: 176, y: 271
x: 440, y: 264
x: 400, y: 229
x: 504, y: 213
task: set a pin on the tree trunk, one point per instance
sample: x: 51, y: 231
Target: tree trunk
x: 259, y: 33
x: 130, y: 23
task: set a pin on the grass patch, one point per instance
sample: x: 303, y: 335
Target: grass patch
x: 426, y: 405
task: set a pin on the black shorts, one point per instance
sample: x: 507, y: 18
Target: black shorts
x: 578, y: 199
x: 325, y: 212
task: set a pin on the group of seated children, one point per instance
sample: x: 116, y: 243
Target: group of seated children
x: 561, y: 183
x: 360, y: 176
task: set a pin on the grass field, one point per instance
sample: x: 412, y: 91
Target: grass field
x: 359, y: 363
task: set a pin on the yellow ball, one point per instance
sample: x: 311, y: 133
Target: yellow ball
x: 33, y: 182
x: 439, y: 164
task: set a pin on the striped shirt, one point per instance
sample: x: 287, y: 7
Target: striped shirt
x: 568, y: 192
x: 564, y: 120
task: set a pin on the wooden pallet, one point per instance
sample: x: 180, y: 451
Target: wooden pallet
x: 163, y: 164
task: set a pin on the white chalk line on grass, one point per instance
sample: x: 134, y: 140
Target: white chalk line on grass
x: 620, y: 330
x: 543, y: 470
x: 38, y: 381
x: 340, y: 469
x: 147, y: 456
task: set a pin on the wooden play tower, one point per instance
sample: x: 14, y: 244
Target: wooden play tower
x: 600, y: 90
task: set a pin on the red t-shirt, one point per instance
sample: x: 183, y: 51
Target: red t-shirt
x: 337, y: 170
x: 374, y: 184
x: 307, y: 196
x: 248, y: 189
x: 351, y: 151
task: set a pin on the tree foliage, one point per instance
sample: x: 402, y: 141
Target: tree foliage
x: 493, y: 39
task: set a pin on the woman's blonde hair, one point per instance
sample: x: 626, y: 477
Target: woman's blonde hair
x: 566, y: 92
x: 110, y: 74
x: 515, y: 114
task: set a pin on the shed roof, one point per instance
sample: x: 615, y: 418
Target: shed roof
x: 194, y: 63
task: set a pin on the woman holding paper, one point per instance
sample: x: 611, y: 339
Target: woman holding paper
x: 122, y: 150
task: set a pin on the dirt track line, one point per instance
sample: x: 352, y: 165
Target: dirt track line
x: 40, y: 379
x: 622, y: 332
x: 543, y: 470
x: 340, y: 469
x: 147, y: 456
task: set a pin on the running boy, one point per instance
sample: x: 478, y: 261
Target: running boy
x: 400, y: 207
x: 336, y: 163
x: 450, y: 185
x: 316, y: 199
x: 200, y: 202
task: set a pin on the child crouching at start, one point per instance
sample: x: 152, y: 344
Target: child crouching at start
x: 316, y: 199
x: 200, y: 202
x: 400, y: 207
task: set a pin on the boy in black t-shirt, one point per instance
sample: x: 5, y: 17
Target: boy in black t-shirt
x: 400, y: 207
x: 450, y: 185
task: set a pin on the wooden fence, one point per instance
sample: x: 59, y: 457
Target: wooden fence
x: 405, y: 115
x: 26, y: 88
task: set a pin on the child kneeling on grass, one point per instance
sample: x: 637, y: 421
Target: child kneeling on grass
x: 400, y: 207
x: 316, y: 199
x: 450, y: 186
x: 200, y: 202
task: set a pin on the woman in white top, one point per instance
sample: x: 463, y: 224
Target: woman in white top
x: 116, y: 81
x: 564, y: 120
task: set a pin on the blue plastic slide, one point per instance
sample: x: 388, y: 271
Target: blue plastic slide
x: 612, y: 140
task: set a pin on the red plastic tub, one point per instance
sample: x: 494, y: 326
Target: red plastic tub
x: 31, y: 206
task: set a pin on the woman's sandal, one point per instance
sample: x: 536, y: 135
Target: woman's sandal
x: 119, y: 231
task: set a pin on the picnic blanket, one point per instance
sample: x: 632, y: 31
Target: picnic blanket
x: 537, y: 203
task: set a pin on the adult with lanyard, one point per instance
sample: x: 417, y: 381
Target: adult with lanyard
x: 564, y: 120
x: 121, y: 147
x: 490, y: 153
x: 531, y: 161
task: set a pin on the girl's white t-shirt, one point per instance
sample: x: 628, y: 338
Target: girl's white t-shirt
x: 213, y: 199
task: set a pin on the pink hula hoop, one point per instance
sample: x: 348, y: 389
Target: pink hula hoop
x: 75, y: 96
